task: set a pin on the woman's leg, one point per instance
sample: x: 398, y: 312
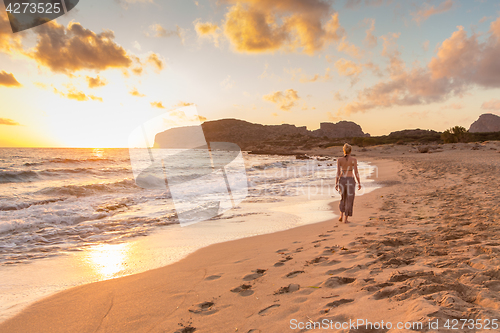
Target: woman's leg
x: 342, y: 187
x: 349, y: 199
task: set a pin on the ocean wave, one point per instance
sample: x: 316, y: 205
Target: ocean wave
x: 18, y: 176
x: 90, y: 189
x: 23, y: 205
x: 70, y: 160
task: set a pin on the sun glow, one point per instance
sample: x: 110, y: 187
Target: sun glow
x: 107, y: 260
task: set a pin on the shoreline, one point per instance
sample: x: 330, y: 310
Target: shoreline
x: 181, y: 269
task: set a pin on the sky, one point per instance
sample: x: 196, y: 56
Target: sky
x: 91, y: 76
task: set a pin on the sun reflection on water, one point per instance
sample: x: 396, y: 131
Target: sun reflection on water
x: 107, y: 260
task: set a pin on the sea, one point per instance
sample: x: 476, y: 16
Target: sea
x: 74, y: 216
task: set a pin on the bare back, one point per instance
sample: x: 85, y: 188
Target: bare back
x: 348, y: 166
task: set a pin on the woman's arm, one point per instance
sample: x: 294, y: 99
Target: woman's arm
x: 356, y: 173
x: 338, y: 175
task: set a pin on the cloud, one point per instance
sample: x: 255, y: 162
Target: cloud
x: 96, y: 82
x: 338, y: 97
x: 155, y: 60
x: 493, y: 104
x: 428, y: 11
x: 137, y: 46
x: 8, y: 80
x: 297, y: 73
x: 77, y: 95
x: 485, y: 18
x: 95, y: 98
x: 350, y: 49
x: 9, y: 122
x: 285, y: 100
x: 158, y: 105
x: 74, y: 48
x: 9, y: 42
x: 227, y: 83
x: 370, y: 39
x: 355, y: 4
x: 453, y: 106
x: 136, y: 93
x: 208, y: 30
x: 182, y: 104
x: 461, y: 63
x: 425, y: 45
x: 333, y: 118
x: 256, y: 26
x: 347, y: 68
x: 157, y: 30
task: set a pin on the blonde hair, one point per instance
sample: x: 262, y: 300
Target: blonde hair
x: 347, y: 149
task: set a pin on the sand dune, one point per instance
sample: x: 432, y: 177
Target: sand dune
x: 422, y: 249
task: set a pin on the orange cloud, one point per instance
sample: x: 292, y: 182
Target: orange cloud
x: 74, y: 48
x: 155, y: 60
x: 454, y: 106
x: 370, y: 39
x: 95, y: 82
x: 158, y: 105
x: 8, y: 80
x: 428, y: 11
x: 208, y: 30
x: 493, y: 104
x: 304, y: 78
x: 461, y: 63
x: 348, y: 48
x: 348, y: 68
x: 254, y: 26
x: 9, y: 122
x: 95, y: 98
x: 284, y: 99
x: 9, y: 42
x: 158, y: 30
x: 77, y: 96
x: 136, y: 93
x: 182, y: 104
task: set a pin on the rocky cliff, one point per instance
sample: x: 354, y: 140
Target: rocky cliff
x: 413, y: 133
x: 246, y: 134
x: 342, y: 129
x: 486, y: 123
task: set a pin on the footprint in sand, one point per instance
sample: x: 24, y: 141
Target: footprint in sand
x: 317, y: 260
x: 212, y: 277
x: 294, y: 274
x: 339, y: 302
x: 282, y: 261
x: 188, y: 329
x: 336, y: 281
x: 205, y: 308
x: 257, y: 274
x: 288, y: 289
x: 268, y: 310
x: 243, y: 290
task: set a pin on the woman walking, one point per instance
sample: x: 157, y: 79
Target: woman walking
x: 347, y: 168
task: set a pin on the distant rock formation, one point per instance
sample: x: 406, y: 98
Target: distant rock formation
x: 246, y: 134
x: 413, y: 133
x: 241, y: 132
x: 342, y: 129
x: 486, y: 123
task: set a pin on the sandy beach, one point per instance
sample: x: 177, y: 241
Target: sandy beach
x: 422, y: 249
